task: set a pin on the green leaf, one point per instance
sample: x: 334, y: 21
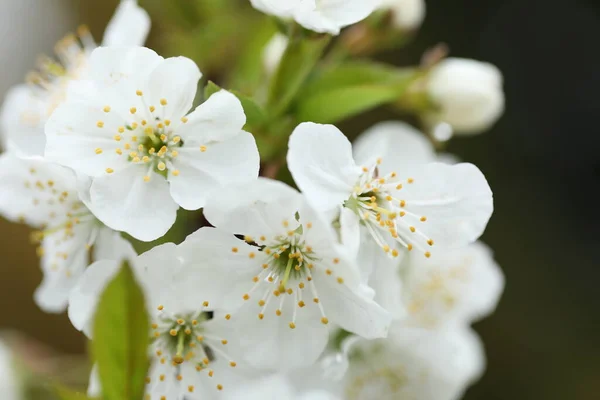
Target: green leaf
x: 342, y: 92
x: 299, y: 59
x: 121, y: 339
x: 210, y: 89
x: 255, y: 115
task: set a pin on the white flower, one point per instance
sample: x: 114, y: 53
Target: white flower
x: 406, y: 14
x: 276, y: 387
x: 457, y: 286
x: 468, y: 93
x: 273, y: 52
x: 10, y: 387
x: 27, y: 107
x: 323, y: 16
x: 400, y: 203
x: 286, y: 282
x: 414, y: 364
x: 127, y: 128
x: 189, y: 337
x: 44, y: 196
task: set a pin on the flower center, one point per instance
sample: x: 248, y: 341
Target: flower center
x: 184, y: 338
x: 378, y: 203
x: 387, y: 382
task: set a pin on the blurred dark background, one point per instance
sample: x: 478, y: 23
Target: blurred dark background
x: 542, y: 161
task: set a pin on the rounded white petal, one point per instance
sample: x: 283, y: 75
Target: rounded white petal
x: 278, y: 8
x: 455, y: 200
x: 229, y: 162
x: 219, y: 118
x: 110, y: 245
x: 398, y: 145
x: 85, y: 295
x: 350, y: 235
x: 128, y: 27
x: 111, y: 65
x: 172, y: 86
x: 124, y: 202
x: 22, y: 120
x: 468, y: 92
x: 330, y: 16
x: 254, y: 208
x: 352, y: 311
x: 406, y: 14
x: 320, y: 160
x: 94, y: 385
x: 10, y: 387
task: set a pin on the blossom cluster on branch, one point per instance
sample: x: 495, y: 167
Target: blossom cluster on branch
x: 357, y: 277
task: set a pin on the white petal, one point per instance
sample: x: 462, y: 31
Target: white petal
x: 128, y: 27
x: 110, y: 245
x: 75, y: 139
x: 125, y: 202
x: 271, y: 344
x: 397, y: 144
x: 456, y: 200
x: 174, y: 80
x: 231, y: 161
x: 350, y: 235
x: 278, y: 8
x: 256, y: 208
x: 94, y: 386
x: 22, y: 120
x: 385, y: 280
x: 219, y: 118
x: 214, y: 272
x: 110, y: 65
x: 352, y: 311
x: 272, y: 387
x: 320, y: 160
x: 84, y: 297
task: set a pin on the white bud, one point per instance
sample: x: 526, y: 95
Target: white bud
x: 406, y: 14
x: 468, y: 93
x: 273, y: 52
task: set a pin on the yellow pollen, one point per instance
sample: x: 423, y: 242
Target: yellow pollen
x: 410, y: 180
x: 309, y: 225
x: 234, y: 249
x: 194, y: 322
x: 265, y: 266
x: 133, y: 110
x: 402, y: 203
x: 98, y: 150
x: 100, y: 124
x: 160, y: 308
x: 109, y: 170
x: 163, y: 102
x: 328, y: 271
x: 152, y: 108
x: 278, y: 312
x: 144, y: 122
x: 173, y: 332
x: 175, y: 172
x: 427, y: 254
x: 261, y: 303
x: 365, y: 169
x: 336, y: 260
x: 292, y: 325
x: 167, y: 122
x: 261, y: 316
x: 301, y: 285
x: 430, y: 242
x: 106, y: 109
x: 232, y: 363
x: 139, y: 92
x: 176, y: 139
x: 163, y: 137
x: 162, y: 378
x: 423, y: 219
x: 381, y: 181
x: 224, y: 341
x: 246, y: 296
x: 402, y: 213
x: 324, y: 321
x: 395, y: 253
x: 148, y: 131
x: 178, y: 360
x: 412, y: 229
x: 301, y: 304
x: 136, y: 159
x: 316, y: 300
x: 184, y: 119
x: 191, y: 389
x: 199, y: 338
x: 145, y: 159
x: 409, y: 247
x: 180, y: 321
x: 174, y: 153
x: 134, y: 138
x: 399, y: 186
x: 219, y: 387
x: 146, y: 178
x: 251, y: 255
x: 228, y: 316
x: 340, y: 280
x: 161, y: 166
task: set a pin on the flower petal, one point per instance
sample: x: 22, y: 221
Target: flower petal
x: 219, y: 118
x: 110, y: 245
x: 111, y: 65
x: 456, y: 201
x: 352, y: 311
x: 125, y: 202
x: 172, y: 87
x: 329, y: 16
x: 397, y: 144
x: 128, y: 27
x: 22, y: 120
x: 231, y: 161
x: 257, y: 208
x: 320, y: 160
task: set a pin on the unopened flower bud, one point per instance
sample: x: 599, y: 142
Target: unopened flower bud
x: 406, y: 14
x: 468, y: 94
x: 273, y: 52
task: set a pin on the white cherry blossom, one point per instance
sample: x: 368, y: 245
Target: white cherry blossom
x: 286, y: 282
x: 10, y: 387
x: 453, y: 287
x: 27, y: 107
x: 323, y: 16
x: 190, y: 339
x: 414, y: 364
x: 44, y: 196
x: 412, y: 205
x: 128, y: 128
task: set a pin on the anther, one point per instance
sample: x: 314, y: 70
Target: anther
x: 163, y: 102
x: 100, y: 124
x: 106, y: 109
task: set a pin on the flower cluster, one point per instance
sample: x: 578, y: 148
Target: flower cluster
x: 361, y: 284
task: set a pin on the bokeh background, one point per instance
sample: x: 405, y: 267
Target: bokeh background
x: 542, y: 161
